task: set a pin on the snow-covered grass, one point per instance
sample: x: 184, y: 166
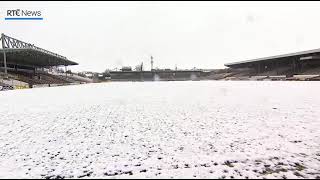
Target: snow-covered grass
x: 196, y: 129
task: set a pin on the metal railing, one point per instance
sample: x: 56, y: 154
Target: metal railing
x: 13, y: 43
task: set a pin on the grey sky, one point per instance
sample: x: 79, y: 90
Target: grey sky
x: 101, y: 35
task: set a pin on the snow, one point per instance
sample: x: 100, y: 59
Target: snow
x: 192, y: 129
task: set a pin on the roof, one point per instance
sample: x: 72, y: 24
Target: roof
x: 34, y: 57
x: 301, y: 53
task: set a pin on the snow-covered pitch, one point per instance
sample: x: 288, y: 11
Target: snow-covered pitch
x: 195, y: 129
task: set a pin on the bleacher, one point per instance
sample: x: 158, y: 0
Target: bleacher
x: 70, y: 79
x: 28, y: 65
x: 27, y: 77
x: 279, y: 71
x: 53, y: 79
x: 311, y: 70
x: 40, y: 78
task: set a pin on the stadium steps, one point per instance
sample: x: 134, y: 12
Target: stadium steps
x: 38, y: 79
x: 28, y: 79
x: 52, y: 79
x: 79, y: 79
x: 70, y: 79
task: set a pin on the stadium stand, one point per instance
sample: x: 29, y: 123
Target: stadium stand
x: 22, y: 62
x: 281, y: 67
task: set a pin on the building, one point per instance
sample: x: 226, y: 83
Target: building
x: 22, y: 62
x: 287, y: 64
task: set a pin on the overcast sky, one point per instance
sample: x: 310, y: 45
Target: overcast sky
x: 101, y: 35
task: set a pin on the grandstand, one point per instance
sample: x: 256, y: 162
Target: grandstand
x: 288, y: 65
x: 25, y: 63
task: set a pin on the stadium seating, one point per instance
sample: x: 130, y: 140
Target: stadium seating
x: 40, y: 77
